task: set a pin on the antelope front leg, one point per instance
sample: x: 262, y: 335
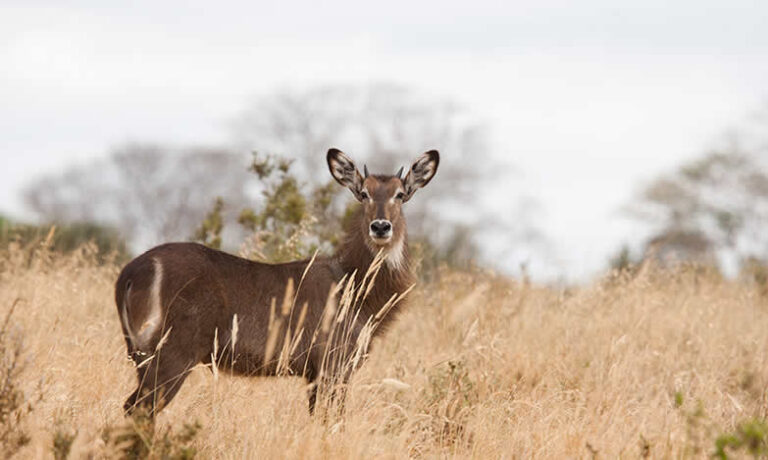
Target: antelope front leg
x: 333, y: 392
x: 312, y: 393
x: 159, y: 381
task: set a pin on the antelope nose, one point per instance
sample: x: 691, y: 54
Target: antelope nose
x: 381, y: 228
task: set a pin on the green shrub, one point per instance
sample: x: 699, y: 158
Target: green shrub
x: 137, y: 439
x: 294, y: 220
x: 66, y: 238
x: 209, y: 231
x: 751, y: 437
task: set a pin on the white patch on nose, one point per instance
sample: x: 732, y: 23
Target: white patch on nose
x: 380, y: 239
x: 151, y: 324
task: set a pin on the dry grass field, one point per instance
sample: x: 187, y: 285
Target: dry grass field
x: 658, y: 365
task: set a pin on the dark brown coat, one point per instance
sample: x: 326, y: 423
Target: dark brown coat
x: 178, y: 302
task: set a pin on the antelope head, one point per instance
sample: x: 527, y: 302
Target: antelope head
x: 382, y: 195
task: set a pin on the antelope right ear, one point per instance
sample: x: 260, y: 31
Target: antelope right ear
x: 422, y: 171
x: 345, y: 172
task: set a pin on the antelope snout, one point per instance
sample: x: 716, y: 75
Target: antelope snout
x: 381, y: 229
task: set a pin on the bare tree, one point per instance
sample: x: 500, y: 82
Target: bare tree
x: 385, y: 125
x: 150, y: 193
x: 154, y: 193
x: 717, y: 203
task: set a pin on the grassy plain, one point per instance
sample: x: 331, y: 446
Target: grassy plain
x: 656, y: 365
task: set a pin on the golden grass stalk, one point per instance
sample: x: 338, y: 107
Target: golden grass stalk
x: 656, y: 366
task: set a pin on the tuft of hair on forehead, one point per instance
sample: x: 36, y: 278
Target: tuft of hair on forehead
x: 387, y: 179
x: 384, y: 177
x: 380, y: 185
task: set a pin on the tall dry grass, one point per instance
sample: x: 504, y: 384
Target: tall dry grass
x: 479, y: 366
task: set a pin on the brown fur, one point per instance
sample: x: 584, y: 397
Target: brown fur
x: 200, y: 290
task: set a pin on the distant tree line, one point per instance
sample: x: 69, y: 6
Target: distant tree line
x: 711, y: 210
x: 150, y: 193
x: 65, y: 238
x: 271, y: 188
x: 268, y: 194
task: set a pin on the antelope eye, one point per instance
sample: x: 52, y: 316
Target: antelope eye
x: 400, y: 195
x: 364, y: 195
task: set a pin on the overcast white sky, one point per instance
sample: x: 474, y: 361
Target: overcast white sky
x: 587, y: 99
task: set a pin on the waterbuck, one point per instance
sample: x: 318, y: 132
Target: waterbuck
x: 181, y: 304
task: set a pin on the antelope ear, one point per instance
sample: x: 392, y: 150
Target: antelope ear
x: 345, y: 172
x: 422, y: 171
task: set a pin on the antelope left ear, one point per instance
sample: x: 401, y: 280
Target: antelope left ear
x: 345, y: 172
x: 422, y: 171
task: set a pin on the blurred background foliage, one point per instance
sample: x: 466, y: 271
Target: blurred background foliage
x: 150, y: 193
x: 65, y: 238
x: 281, y: 204
x: 712, y: 210
x: 268, y: 195
x: 292, y: 222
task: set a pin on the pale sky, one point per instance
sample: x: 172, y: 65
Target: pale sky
x: 588, y: 100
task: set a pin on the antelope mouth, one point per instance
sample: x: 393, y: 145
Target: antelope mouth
x: 381, y: 240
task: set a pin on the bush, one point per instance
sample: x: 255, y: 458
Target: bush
x: 66, y: 238
x: 751, y: 436
x: 295, y: 220
x: 64, y: 435
x: 137, y: 439
x: 15, y: 406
